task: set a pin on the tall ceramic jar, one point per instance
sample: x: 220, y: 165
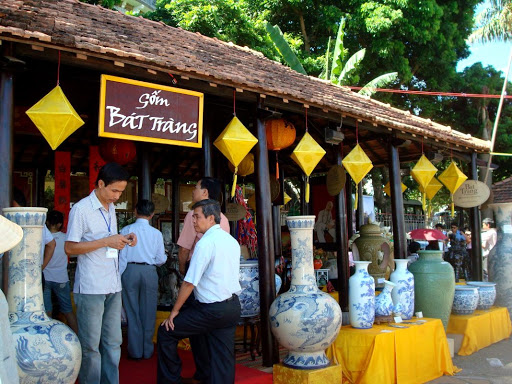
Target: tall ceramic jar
x: 500, y: 257
x: 361, y: 297
x: 403, y: 294
x: 47, y: 350
x: 304, y: 320
x: 434, y: 285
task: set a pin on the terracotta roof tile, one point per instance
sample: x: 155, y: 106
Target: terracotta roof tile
x: 502, y: 191
x: 75, y: 25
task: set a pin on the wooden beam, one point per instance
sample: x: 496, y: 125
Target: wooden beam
x: 397, y: 204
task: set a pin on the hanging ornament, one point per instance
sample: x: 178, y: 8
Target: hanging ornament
x: 432, y: 188
x: 280, y: 135
x: 357, y: 164
x: 387, y: 188
x: 235, y: 142
x: 452, y: 178
x: 246, y: 166
x: 286, y: 198
x: 55, y: 117
x: 423, y: 172
x: 118, y: 151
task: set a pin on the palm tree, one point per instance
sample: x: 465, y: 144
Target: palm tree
x: 336, y: 71
x: 494, y: 23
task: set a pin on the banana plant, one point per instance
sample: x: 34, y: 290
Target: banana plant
x: 334, y: 69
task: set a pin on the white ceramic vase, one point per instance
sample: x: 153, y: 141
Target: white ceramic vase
x: 361, y: 297
x: 465, y: 300
x: 383, y: 302
x: 403, y: 294
x: 304, y: 320
x: 47, y: 350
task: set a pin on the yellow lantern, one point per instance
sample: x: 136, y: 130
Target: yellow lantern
x: 55, y: 117
x: 387, y: 188
x: 432, y: 188
x: 235, y: 142
x: 357, y: 164
x: 423, y: 172
x: 246, y: 166
x: 452, y: 178
x: 307, y: 154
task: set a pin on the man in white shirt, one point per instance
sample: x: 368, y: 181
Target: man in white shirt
x: 489, y: 240
x: 213, y: 277
x: 325, y: 223
x: 92, y: 235
x: 137, y: 266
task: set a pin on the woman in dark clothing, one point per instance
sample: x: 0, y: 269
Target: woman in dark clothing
x: 458, y: 255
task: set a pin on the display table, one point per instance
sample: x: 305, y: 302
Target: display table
x: 480, y: 329
x: 383, y: 354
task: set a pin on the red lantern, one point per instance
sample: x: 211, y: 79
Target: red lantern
x: 280, y: 135
x: 117, y: 150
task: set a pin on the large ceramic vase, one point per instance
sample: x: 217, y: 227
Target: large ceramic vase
x: 384, y: 302
x: 372, y: 246
x: 249, y: 279
x: 304, y: 320
x: 361, y: 297
x: 403, y: 294
x: 500, y: 257
x: 47, y: 350
x: 434, y: 285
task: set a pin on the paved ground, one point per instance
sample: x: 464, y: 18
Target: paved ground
x: 491, y: 365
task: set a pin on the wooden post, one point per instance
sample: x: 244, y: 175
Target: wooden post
x: 276, y: 226
x: 476, y: 236
x: 350, y: 210
x: 144, y: 173
x: 360, y: 206
x: 207, y: 153
x: 266, y: 258
x: 175, y: 203
x: 342, y: 246
x: 397, y: 204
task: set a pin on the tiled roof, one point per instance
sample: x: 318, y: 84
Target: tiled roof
x: 73, y: 25
x: 502, y: 191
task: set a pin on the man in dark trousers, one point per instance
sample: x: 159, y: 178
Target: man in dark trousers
x: 213, y: 277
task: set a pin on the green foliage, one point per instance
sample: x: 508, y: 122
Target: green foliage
x: 284, y: 49
x: 104, y: 3
x: 494, y: 22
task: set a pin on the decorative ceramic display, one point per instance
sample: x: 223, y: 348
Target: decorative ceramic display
x: 486, y: 293
x: 465, y: 300
x: 361, y: 297
x: 500, y: 257
x: 249, y: 278
x: 372, y: 246
x: 434, y: 285
x: 304, y: 320
x: 403, y: 293
x: 47, y: 350
x: 384, y: 302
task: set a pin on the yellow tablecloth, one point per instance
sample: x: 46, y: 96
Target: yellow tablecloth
x: 480, y: 329
x: 416, y: 354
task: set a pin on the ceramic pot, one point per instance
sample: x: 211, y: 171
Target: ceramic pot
x: 249, y: 278
x: 486, y: 293
x: 372, y: 246
x: 47, y: 350
x: 465, y: 300
x: 361, y: 297
x: 304, y: 320
x: 403, y: 294
x: 500, y: 257
x: 434, y: 285
x: 384, y: 302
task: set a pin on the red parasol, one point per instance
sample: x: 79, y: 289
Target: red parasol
x: 427, y: 234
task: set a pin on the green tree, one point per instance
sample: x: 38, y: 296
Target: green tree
x: 494, y: 23
x: 104, y: 3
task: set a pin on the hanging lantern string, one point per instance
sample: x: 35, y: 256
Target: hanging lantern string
x: 422, y: 151
x: 58, y: 71
x: 234, y: 102
x: 306, y: 119
x: 357, y: 132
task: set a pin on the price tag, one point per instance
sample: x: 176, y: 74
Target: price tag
x: 381, y: 280
x: 111, y: 253
x: 386, y: 331
x: 419, y: 315
x: 398, y: 319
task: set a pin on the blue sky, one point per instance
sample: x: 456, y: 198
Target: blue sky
x: 495, y: 54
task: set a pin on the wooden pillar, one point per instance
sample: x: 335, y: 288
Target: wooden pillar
x: 207, y: 153
x: 342, y: 246
x: 350, y: 210
x: 265, y: 234
x: 175, y: 203
x: 144, y: 173
x: 476, y: 236
x: 397, y: 204
x: 276, y: 226
x: 360, y: 206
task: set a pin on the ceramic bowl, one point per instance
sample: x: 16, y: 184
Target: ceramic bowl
x: 465, y: 300
x: 486, y: 292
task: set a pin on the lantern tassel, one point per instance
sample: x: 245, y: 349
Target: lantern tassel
x: 277, y: 167
x: 355, y: 202
x: 453, y: 206
x: 233, y: 188
x: 423, y: 202
x: 307, y: 189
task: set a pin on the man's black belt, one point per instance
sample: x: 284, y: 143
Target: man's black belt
x: 229, y: 299
x: 133, y: 262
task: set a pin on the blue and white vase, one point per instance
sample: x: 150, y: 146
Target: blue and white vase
x: 403, y: 294
x: 383, y: 302
x: 361, y: 297
x: 304, y: 320
x: 486, y: 293
x: 465, y: 300
x: 47, y: 350
x: 249, y: 278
